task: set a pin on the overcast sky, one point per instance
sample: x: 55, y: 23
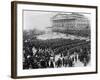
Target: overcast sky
x: 39, y: 20
x: 36, y: 19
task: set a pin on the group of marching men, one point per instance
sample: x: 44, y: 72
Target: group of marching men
x: 46, y: 58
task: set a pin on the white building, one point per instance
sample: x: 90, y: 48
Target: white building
x: 71, y: 21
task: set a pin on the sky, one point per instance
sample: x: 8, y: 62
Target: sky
x: 39, y: 19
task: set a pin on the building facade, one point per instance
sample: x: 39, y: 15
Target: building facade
x: 70, y: 21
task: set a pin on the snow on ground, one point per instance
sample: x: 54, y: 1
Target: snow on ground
x: 53, y: 35
x: 78, y: 64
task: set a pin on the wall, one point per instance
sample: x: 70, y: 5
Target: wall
x: 5, y: 40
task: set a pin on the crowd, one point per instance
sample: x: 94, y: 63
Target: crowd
x: 61, y: 56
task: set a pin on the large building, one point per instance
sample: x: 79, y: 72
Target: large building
x: 70, y: 21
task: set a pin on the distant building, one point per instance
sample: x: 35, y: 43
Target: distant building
x: 70, y: 21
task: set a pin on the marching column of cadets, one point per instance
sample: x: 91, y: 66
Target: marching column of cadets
x: 46, y: 58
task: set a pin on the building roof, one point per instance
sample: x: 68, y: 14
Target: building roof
x: 67, y: 16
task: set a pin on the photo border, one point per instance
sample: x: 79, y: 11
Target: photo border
x: 14, y: 37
